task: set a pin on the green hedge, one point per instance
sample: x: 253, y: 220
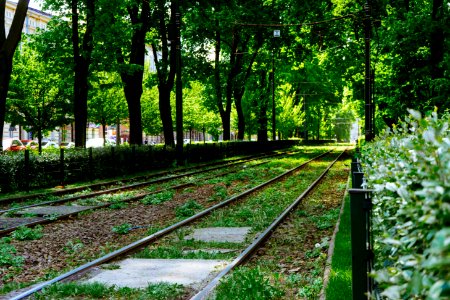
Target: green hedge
x: 48, y: 169
x: 409, y: 170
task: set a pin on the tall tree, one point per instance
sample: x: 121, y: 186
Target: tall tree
x: 82, y: 14
x: 82, y: 54
x: 8, y: 45
x: 132, y: 77
x: 40, y: 100
x: 164, y: 52
x: 219, y: 26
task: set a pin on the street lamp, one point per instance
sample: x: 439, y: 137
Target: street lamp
x: 276, y: 34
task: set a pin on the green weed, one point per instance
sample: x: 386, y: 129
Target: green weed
x: 118, y: 205
x: 188, y: 190
x: 25, y: 233
x: 52, y: 217
x: 327, y: 220
x: 7, y: 254
x: 247, y: 284
x: 72, y: 289
x: 158, y: 198
x: 122, y: 228
x: 188, y: 209
x: 110, y: 267
x: 312, y: 290
x: 174, y: 252
x: 220, y: 193
x: 301, y: 213
x: 163, y: 291
x: 29, y: 215
x: 11, y: 286
x: 73, y: 247
x: 313, y: 253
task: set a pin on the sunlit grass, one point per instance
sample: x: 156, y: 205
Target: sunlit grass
x: 340, y: 282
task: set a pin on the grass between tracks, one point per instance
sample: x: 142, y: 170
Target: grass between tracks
x: 292, y: 262
x: 234, y: 184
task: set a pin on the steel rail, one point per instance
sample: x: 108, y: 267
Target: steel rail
x: 260, y: 240
x: 100, y: 184
x: 5, y: 231
x: 144, y: 241
x: 134, y: 185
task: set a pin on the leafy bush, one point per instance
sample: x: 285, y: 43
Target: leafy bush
x: 25, y: 233
x: 409, y: 170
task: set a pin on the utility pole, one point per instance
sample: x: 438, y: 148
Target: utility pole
x: 276, y: 34
x: 369, y: 111
x: 179, y: 91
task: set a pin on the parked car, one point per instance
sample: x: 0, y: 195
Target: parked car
x: 12, y: 145
x: 67, y: 145
x: 99, y: 142
x: 49, y: 145
x: 31, y: 144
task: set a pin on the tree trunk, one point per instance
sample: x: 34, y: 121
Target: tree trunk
x: 262, y: 113
x: 240, y: 115
x: 8, y: 46
x: 224, y: 112
x: 133, y: 80
x: 118, y: 140
x: 319, y: 121
x: 166, y: 115
x: 82, y: 61
x: 165, y: 62
x: 133, y: 91
x: 104, y: 133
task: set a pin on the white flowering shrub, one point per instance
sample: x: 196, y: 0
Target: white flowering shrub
x: 409, y: 170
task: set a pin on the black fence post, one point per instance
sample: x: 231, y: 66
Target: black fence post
x: 133, y: 158
x: 362, y: 255
x: 91, y: 164
x: 27, y: 170
x: 187, y: 154
x: 357, y: 180
x: 61, y: 167
x: 113, y: 160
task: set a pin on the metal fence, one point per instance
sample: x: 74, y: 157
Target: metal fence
x: 361, y: 235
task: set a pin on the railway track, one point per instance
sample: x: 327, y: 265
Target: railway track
x: 45, y: 219
x: 164, y: 232
x: 120, y: 184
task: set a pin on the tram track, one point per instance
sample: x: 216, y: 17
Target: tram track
x: 133, y: 186
x: 111, y: 185
x: 256, y: 244
x: 151, y: 238
x: 136, y: 186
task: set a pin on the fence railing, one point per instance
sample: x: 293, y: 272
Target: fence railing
x: 361, y: 235
x: 29, y: 170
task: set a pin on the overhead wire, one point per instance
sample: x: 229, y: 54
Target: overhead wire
x: 295, y: 24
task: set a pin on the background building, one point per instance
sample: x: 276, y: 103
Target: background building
x: 35, y: 18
